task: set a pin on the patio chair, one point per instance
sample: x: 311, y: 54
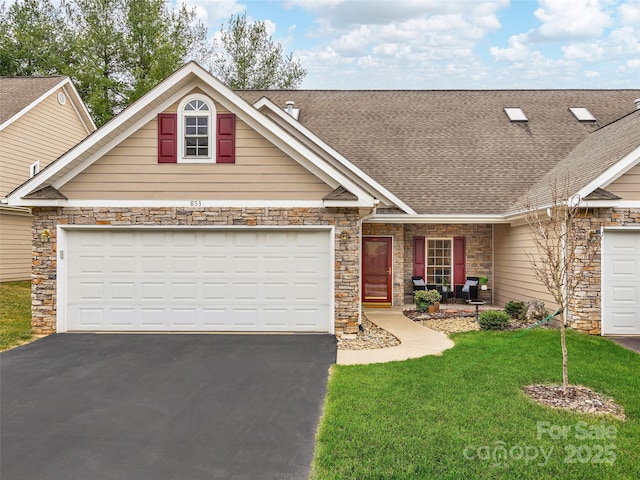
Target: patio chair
x: 468, y: 291
x: 418, y: 283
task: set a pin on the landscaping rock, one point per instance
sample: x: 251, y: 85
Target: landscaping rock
x: 370, y: 337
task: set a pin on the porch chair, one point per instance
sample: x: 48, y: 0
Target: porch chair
x: 468, y: 291
x: 418, y: 283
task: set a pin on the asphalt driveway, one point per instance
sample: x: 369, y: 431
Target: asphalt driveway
x: 79, y: 406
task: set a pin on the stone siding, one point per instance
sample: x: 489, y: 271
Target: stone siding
x: 347, y: 254
x: 585, y: 310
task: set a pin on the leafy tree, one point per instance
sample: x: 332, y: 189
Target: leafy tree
x: 100, y: 44
x: 159, y: 41
x: 34, y: 39
x: 114, y: 50
x: 246, y: 57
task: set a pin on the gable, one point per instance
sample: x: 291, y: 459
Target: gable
x: 42, y: 134
x: 131, y: 170
x: 627, y: 187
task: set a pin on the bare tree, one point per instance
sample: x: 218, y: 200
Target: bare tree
x: 564, y: 249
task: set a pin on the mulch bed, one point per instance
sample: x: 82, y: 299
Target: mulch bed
x: 577, y: 398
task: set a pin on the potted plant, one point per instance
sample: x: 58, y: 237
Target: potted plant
x: 445, y: 285
x: 426, y: 300
x: 483, y: 282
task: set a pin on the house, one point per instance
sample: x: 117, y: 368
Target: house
x: 40, y: 119
x: 199, y: 208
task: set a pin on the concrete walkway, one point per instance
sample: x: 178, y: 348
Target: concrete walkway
x: 416, y: 340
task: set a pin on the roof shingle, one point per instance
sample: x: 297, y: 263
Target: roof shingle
x: 453, y: 152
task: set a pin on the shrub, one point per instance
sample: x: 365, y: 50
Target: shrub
x: 494, y: 320
x: 426, y: 298
x: 515, y: 309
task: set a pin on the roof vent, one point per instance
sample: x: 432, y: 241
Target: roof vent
x: 515, y: 114
x: 637, y: 101
x: 291, y: 110
x: 582, y: 114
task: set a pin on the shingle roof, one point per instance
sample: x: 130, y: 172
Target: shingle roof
x: 591, y: 158
x: 453, y: 152
x: 17, y: 93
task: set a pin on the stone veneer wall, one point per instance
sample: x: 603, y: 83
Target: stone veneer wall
x: 586, y: 307
x: 347, y: 254
x: 479, y: 254
x: 397, y: 232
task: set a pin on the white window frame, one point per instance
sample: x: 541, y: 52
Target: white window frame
x: 210, y: 115
x: 34, y: 169
x: 427, y: 264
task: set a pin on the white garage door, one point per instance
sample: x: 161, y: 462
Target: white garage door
x: 621, y: 283
x: 198, y: 280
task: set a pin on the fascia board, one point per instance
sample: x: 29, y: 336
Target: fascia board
x: 119, y: 138
x: 27, y: 108
x: 80, y: 107
x: 610, y: 204
x: 266, y: 103
x: 458, y: 219
x: 129, y: 112
x: 226, y: 97
x: 174, y: 203
x: 286, y: 142
x: 621, y: 167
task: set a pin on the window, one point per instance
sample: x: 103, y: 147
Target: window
x: 195, y: 142
x: 515, y: 114
x: 439, y: 262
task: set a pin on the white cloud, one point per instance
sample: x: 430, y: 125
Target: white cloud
x: 379, y: 44
x: 516, y: 52
x: 573, y: 19
x: 213, y: 14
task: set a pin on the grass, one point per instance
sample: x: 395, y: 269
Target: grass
x: 464, y: 414
x: 15, y: 314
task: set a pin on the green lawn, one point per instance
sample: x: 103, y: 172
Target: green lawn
x: 15, y: 314
x: 464, y: 416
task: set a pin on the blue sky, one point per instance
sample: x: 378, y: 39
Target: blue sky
x: 455, y: 44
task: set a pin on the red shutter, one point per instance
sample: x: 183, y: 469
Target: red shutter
x: 418, y: 256
x: 226, y: 138
x: 459, y: 261
x: 167, y: 138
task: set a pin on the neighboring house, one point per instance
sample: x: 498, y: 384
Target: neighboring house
x: 203, y: 209
x: 40, y: 119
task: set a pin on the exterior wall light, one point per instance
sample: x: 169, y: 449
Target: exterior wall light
x: 344, y: 236
x: 44, y: 235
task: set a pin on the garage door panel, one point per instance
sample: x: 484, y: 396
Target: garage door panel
x: 621, y: 283
x: 199, y: 280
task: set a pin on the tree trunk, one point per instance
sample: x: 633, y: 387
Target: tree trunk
x: 563, y: 341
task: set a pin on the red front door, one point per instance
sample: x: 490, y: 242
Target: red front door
x: 376, y: 269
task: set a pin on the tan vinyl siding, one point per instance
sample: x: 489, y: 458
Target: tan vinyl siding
x: 131, y: 171
x: 627, y: 186
x: 58, y: 129
x: 514, y: 279
x: 15, y: 247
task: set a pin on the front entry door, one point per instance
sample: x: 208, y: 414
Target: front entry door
x: 376, y: 269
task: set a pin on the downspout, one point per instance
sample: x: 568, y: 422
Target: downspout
x: 360, y: 222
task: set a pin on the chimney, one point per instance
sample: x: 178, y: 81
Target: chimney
x: 637, y: 102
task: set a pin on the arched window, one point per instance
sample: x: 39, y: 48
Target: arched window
x: 195, y: 129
